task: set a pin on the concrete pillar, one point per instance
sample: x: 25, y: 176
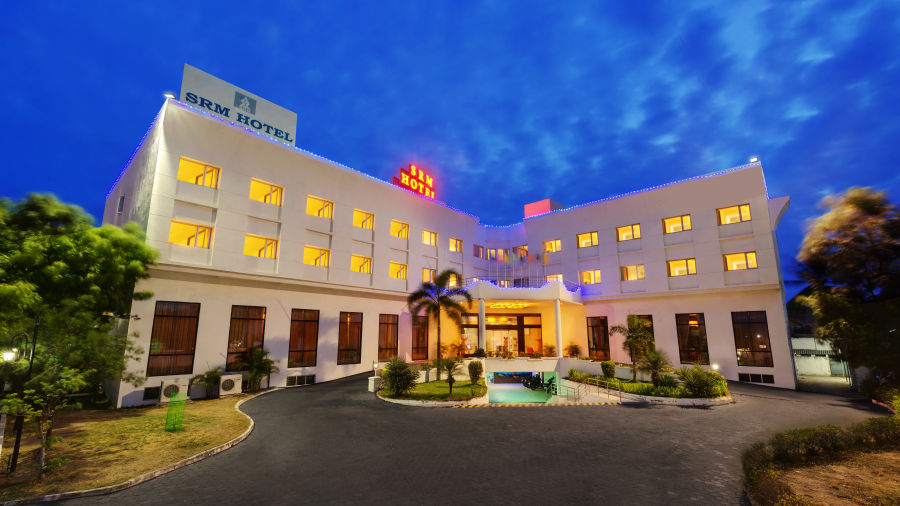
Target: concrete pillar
x: 481, y: 325
x: 557, y: 317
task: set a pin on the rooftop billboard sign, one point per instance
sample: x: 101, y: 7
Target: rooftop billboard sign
x: 237, y: 105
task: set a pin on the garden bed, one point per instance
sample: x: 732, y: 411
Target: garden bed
x: 108, y: 447
x: 651, y: 393
x: 440, y: 391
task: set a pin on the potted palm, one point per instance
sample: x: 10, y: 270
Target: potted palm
x: 210, y: 381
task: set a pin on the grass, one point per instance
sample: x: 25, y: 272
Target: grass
x: 106, y: 447
x: 440, y: 391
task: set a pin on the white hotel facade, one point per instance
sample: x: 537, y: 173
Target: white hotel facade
x: 262, y: 244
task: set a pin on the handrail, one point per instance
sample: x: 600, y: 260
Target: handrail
x: 604, y: 384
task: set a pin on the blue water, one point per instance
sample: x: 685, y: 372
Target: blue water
x: 515, y: 394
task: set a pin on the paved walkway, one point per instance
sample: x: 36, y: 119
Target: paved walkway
x: 335, y: 443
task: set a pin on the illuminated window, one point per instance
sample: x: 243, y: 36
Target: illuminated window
x: 628, y: 232
x: 396, y: 270
x: 492, y: 253
x: 267, y: 193
x: 677, y: 224
x: 456, y: 245
x: 554, y: 277
x: 429, y: 238
x: 315, y: 256
x: 363, y: 219
x: 552, y: 246
x: 503, y: 283
x: 740, y: 261
x: 587, y: 239
x: 682, y: 267
x: 195, y: 172
x: 632, y: 272
x: 259, y: 246
x: 360, y: 263
x: 190, y: 234
x: 453, y: 281
x: 590, y: 277
x: 478, y: 251
x: 521, y: 251
x: 734, y: 214
x: 319, y: 207
x: 428, y: 275
x: 399, y: 229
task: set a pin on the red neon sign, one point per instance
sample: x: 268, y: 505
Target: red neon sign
x: 417, y: 180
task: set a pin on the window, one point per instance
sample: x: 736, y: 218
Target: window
x: 691, y: 328
x: 363, y: 219
x: 396, y: 270
x: 456, y: 245
x: 590, y: 277
x: 399, y: 229
x: 319, y: 207
x: 734, y: 214
x: 740, y: 261
x: 554, y: 277
x: 357, y: 263
x: 304, y: 337
x: 429, y: 238
x: 349, y: 338
x: 316, y: 256
x: 632, y: 272
x: 552, y: 246
x: 598, y: 337
x: 259, y: 246
x: 266, y: 193
x: 190, y: 234
x: 587, y: 239
x: 677, y: 224
x: 121, y: 205
x: 628, y: 232
x: 195, y: 172
x: 478, y: 251
x: 682, y: 267
x: 387, y: 336
x: 173, y: 338
x: 420, y: 337
x: 428, y: 275
x: 521, y: 251
x: 751, y: 338
x: 248, y: 325
x: 453, y: 281
x: 498, y: 254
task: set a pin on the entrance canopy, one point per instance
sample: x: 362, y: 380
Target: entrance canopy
x: 552, y: 290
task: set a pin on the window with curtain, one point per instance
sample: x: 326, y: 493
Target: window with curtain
x: 349, y: 338
x: 420, y: 337
x: 692, y: 347
x: 304, y: 337
x: 598, y: 337
x: 387, y: 336
x: 248, y: 325
x: 173, y: 338
x: 751, y: 338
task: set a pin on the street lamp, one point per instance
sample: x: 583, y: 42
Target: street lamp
x: 20, y: 420
x: 169, y: 95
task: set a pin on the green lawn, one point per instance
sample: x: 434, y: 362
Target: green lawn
x: 440, y: 391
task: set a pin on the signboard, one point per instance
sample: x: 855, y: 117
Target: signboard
x: 417, y: 180
x: 212, y: 94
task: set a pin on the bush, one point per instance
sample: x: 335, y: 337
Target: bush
x: 475, y: 370
x: 702, y: 383
x: 480, y: 353
x: 549, y: 350
x: 573, y: 350
x: 667, y: 382
x: 801, y: 445
x: 609, y: 368
x: 398, y: 377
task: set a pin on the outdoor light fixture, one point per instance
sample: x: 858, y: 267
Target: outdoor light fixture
x: 374, y: 365
x: 9, y: 356
x: 169, y: 94
x: 715, y: 367
x: 754, y: 159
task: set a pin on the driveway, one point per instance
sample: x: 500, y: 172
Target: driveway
x: 335, y: 443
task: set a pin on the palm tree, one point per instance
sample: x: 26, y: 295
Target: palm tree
x: 656, y: 363
x: 638, y: 340
x: 452, y: 367
x: 437, y: 297
x: 258, y: 365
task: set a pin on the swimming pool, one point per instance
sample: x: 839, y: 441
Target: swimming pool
x: 512, y: 393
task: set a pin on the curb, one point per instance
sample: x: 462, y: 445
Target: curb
x: 137, y: 480
x: 477, y: 401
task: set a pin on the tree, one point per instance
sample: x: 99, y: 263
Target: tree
x: 851, y: 259
x: 258, y: 365
x: 452, y: 367
x: 656, y: 363
x: 475, y: 370
x: 638, y: 340
x: 439, y: 297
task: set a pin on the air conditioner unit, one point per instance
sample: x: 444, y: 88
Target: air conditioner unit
x: 230, y: 384
x: 172, y: 387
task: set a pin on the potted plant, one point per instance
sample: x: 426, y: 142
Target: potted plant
x: 210, y: 381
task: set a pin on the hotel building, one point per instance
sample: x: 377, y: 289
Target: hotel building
x: 262, y: 244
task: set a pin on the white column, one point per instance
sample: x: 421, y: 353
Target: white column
x: 558, y: 321
x: 481, y: 326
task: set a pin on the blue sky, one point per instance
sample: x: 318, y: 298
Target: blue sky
x: 506, y: 102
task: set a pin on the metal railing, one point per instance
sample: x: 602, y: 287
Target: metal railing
x: 571, y: 394
x: 520, y: 282
x: 609, y: 386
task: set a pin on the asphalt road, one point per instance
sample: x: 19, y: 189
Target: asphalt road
x: 335, y: 443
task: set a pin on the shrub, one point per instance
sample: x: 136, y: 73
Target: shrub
x: 475, y: 370
x: 702, y: 383
x: 210, y: 380
x: 667, y: 382
x: 480, y: 353
x: 258, y: 366
x: 398, y: 377
x: 801, y: 445
x: 609, y: 368
x: 573, y: 350
x: 549, y: 350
